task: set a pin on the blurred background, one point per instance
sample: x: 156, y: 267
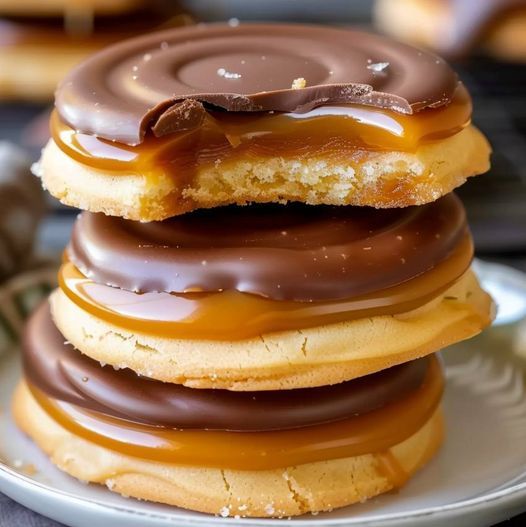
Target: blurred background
x: 40, y: 40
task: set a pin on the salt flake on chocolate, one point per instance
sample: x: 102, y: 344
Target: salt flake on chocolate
x: 378, y: 66
x: 222, y: 72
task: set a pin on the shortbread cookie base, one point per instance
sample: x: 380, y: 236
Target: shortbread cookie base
x: 312, y: 487
x: 309, y: 357
x: 372, y: 178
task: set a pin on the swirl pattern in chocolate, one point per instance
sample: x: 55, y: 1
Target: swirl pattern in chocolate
x: 294, y: 252
x: 164, y: 82
x: 62, y: 372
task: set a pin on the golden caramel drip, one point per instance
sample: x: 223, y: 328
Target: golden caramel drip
x: 232, y: 315
x: 373, y: 432
x: 392, y: 469
x: 332, y: 132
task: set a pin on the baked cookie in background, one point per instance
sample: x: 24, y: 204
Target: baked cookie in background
x: 52, y: 8
x: 457, y: 28
x: 41, y: 41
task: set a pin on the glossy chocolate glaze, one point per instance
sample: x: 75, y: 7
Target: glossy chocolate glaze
x: 165, y: 82
x: 63, y: 373
x: 293, y: 252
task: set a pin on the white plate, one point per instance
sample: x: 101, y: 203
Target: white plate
x: 478, y: 478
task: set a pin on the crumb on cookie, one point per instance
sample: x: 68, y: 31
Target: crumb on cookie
x: 299, y: 83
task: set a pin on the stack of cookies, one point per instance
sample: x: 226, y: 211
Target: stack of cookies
x: 268, y: 259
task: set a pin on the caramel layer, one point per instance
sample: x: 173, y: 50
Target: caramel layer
x: 373, y: 432
x: 334, y: 133
x: 231, y: 315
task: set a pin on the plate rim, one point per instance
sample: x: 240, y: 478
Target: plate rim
x: 501, y: 497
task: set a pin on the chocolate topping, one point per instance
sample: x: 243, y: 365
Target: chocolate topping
x: 62, y: 372
x: 145, y: 83
x: 294, y: 252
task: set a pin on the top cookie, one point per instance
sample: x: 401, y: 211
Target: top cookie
x: 212, y: 115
